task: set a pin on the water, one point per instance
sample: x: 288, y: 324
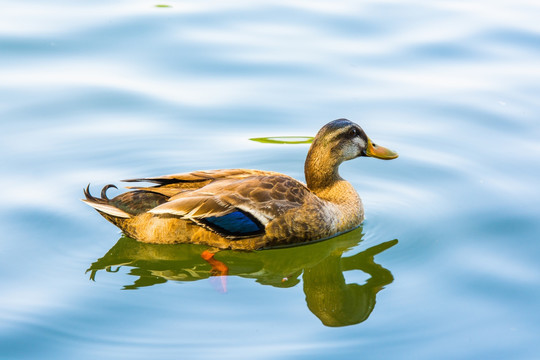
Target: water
x: 445, y: 265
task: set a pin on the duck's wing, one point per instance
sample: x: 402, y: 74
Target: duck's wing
x: 237, y: 207
x: 171, y: 185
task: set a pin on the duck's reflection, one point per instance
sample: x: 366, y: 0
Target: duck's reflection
x: 322, y: 264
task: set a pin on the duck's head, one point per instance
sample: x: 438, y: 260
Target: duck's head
x: 340, y: 140
x: 345, y: 140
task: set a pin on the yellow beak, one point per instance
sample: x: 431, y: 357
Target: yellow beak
x: 379, y: 152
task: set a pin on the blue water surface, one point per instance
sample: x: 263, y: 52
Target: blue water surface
x: 446, y: 263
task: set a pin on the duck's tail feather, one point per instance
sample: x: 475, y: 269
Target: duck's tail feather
x: 103, y: 205
x: 104, y: 191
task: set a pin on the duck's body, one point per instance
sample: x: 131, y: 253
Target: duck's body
x: 249, y: 209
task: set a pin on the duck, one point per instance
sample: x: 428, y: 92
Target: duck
x: 243, y: 209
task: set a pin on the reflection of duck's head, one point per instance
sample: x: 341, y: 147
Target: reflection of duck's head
x: 338, y: 141
x: 336, y: 303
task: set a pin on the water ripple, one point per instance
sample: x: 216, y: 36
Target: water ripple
x: 97, y: 92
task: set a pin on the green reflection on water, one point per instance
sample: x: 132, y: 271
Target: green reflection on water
x: 284, y: 140
x: 322, y: 266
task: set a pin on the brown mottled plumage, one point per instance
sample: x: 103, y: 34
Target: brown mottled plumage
x: 249, y: 209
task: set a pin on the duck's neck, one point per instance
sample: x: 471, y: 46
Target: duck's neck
x: 322, y: 177
x: 320, y: 171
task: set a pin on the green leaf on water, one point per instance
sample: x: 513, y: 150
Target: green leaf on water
x: 163, y: 6
x: 284, y: 140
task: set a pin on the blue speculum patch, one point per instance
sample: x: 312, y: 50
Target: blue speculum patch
x: 235, y: 223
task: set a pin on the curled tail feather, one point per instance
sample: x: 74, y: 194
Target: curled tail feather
x: 103, y: 191
x: 103, y: 205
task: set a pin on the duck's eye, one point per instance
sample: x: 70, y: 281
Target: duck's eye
x: 353, y: 132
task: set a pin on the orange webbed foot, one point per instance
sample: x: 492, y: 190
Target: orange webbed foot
x: 219, y: 269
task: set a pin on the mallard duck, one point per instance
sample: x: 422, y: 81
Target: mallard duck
x: 248, y: 209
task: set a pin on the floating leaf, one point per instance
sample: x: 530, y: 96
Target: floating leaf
x: 163, y: 6
x: 284, y: 140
